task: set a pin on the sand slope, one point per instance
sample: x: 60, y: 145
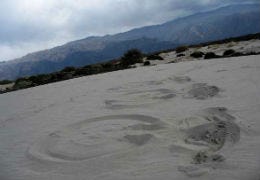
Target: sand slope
x: 191, y: 120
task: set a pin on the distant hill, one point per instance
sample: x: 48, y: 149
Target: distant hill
x: 230, y: 21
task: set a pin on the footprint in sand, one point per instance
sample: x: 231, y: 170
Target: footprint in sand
x: 137, y: 98
x: 181, y: 79
x: 202, y: 91
x: 134, y: 85
x: 203, y: 141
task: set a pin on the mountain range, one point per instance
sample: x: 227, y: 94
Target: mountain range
x: 225, y: 22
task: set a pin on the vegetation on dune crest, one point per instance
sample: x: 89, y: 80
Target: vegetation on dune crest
x: 197, y: 54
x: 228, y: 52
x: 154, y: 57
x: 22, y: 83
x: 181, y: 49
x: 147, y: 63
x: 4, y: 82
x: 180, y: 55
x: 131, y: 57
x: 68, y: 69
x: 210, y: 55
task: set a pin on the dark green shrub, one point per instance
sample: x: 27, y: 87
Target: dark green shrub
x: 154, y: 57
x: 40, y: 79
x: 237, y: 54
x: 67, y: 75
x: 22, y: 83
x: 180, y: 55
x: 252, y: 53
x: 181, y: 49
x: 96, y: 68
x: 68, y: 69
x: 90, y: 69
x: 3, y: 82
x: 147, y: 63
x: 131, y: 57
x: 210, y: 55
x: 60, y: 76
x: 108, y: 66
x: 53, y: 77
x: 228, y: 52
x: 197, y: 54
x: 82, y: 71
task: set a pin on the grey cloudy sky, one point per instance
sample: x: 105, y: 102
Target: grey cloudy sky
x: 31, y: 25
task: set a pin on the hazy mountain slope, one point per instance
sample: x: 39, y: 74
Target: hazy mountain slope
x: 212, y: 25
x: 48, y: 63
x: 235, y: 20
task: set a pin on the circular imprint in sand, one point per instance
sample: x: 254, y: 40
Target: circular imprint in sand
x: 181, y: 79
x: 94, y: 138
x: 202, y: 91
x: 137, y: 98
x: 135, y: 85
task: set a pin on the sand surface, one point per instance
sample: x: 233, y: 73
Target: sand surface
x: 194, y: 120
x: 6, y: 86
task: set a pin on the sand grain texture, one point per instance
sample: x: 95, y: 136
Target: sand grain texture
x: 190, y: 120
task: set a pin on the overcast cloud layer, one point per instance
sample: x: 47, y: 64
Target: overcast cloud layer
x: 31, y: 25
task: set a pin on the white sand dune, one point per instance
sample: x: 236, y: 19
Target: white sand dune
x: 6, y: 86
x: 190, y: 120
x: 219, y: 49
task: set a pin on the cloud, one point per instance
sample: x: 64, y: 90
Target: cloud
x: 30, y: 25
